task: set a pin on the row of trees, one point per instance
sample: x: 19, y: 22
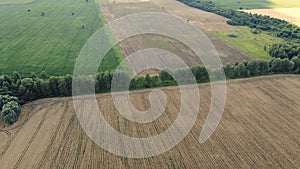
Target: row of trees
x: 37, y: 87
x: 262, y: 67
x: 279, y: 27
x: 10, y: 108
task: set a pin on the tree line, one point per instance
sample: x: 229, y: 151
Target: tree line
x: 280, y: 28
x: 285, y: 50
x: 37, y: 87
x: 15, y: 90
x: 263, y: 67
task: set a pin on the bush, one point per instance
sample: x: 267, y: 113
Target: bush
x: 285, y: 50
x: 10, y: 112
x: 4, y: 99
x: 10, y: 108
x: 9, y: 116
x: 233, y: 35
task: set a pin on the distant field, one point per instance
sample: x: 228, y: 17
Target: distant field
x: 257, y: 4
x: 133, y: 44
x: 207, y: 22
x: 289, y: 14
x: 285, y: 3
x: 251, y: 44
x: 33, y: 43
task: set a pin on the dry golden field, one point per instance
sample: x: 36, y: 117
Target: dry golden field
x: 289, y: 14
x: 259, y: 129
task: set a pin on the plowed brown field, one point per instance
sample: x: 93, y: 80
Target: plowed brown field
x: 259, y: 129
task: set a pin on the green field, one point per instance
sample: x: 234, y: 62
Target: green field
x: 102, y: 1
x: 30, y: 42
x: 249, y: 43
x: 257, y: 4
x: 14, y: 1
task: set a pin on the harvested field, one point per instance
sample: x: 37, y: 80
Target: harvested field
x: 4, y: 139
x: 259, y: 129
x: 289, y: 14
x: 204, y: 20
x: 114, y: 11
x: 133, y: 44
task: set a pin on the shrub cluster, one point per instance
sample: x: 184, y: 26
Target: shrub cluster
x: 285, y: 50
x: 263, y: 67
x: 10, y: 108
